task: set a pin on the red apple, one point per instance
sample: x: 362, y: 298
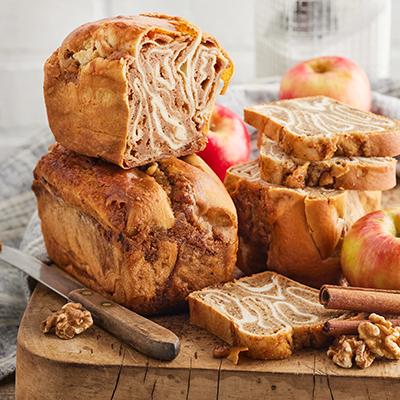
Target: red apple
x: 228, y: 141
x: 335, y: 77
x: 371, y: 251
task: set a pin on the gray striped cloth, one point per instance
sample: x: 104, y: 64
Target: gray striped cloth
x: 19, y: 225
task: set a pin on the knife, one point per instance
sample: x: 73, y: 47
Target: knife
x: 142, y: 334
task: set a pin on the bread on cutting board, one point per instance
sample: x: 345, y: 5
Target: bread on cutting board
x: 352, y: 173
x: 296, y: 232
x: 144, y: 238
x: 268, y: 313
x: 319, y: 128
x: 134, y: 89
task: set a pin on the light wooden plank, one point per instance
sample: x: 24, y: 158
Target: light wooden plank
x: 96, y: 365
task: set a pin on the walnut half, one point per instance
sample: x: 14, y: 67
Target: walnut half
x: 347, y: 349
x: 381, y: 337
x: 377, y: 337
x: 71, y: 320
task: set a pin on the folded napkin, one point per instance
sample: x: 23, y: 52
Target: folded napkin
x: 19, y: 224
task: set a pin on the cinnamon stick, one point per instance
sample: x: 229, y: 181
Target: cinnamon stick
x: 359, y: 299
x: 339, y: 327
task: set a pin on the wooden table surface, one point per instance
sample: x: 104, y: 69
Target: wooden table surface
x: 7, y: 386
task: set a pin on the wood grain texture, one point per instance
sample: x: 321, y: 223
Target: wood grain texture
x: 133, y: 329
x: 95, y: 365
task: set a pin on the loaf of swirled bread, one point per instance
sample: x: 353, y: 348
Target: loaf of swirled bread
x: 132, y: 90
x: 144, y: 238
x: 296, y: 232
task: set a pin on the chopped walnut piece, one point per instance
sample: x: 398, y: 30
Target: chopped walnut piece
x: 230, y: 353
x: 341, y: 352
x: 343, y: 281
x: 71, y: 320
x: 326, y: 179
x: 381, y: 337
x: 296, y: 178
x: 221, y: 351
x: 364, y: 358
x: 348, y: 349
x: 151, y: 170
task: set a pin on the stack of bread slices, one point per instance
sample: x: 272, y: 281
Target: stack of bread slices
x: 119, y: 210
x: 322, y: 166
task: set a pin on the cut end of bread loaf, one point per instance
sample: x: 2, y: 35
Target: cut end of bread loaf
x: 296, y: 232
x: 135, y: 89
x: 350, y: 173
x: 268, y: 313
x: 319, y: 128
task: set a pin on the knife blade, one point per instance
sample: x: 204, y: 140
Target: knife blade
x: 139, y: 332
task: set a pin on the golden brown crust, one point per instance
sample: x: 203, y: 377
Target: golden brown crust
x: 230, y: 68
x: 90, y: 115
x: 295, y: 232
x: 88, y: 88
x: 144, y: 241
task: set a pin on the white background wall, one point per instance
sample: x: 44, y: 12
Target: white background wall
x: 31, y: 29
x: 395, y: 64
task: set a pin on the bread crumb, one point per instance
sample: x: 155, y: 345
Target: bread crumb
x: 221, y: 351
x: 230, y: 353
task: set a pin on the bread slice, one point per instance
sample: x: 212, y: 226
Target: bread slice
x: 134, y: 89
x: 318, y: 128
x: 353, y: 173
x: 268, y: 313
x: 296, y: 232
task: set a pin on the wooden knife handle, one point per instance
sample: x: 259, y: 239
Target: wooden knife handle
x: 142, y: 334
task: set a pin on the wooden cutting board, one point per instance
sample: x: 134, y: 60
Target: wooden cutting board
x: 97, y: 366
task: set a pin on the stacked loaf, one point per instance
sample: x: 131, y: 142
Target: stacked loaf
x: 322, y: 166
x: 125, y: 98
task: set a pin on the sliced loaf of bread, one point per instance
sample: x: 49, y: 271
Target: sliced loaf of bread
x: 268, y: 313
x: 352, y: 173
x: 296, y: 232
x: 318, y: 128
